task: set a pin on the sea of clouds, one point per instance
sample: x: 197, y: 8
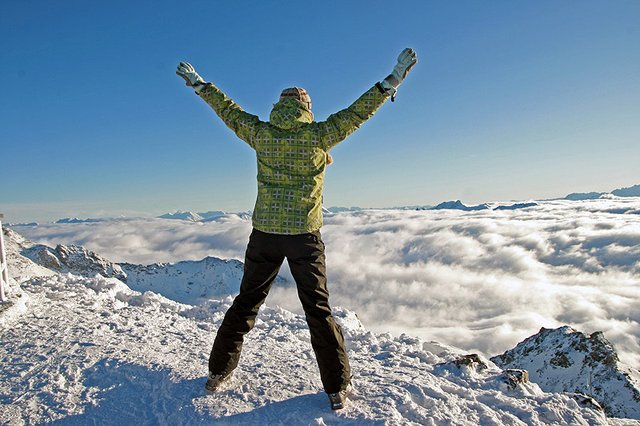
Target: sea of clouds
x: 481, y: 281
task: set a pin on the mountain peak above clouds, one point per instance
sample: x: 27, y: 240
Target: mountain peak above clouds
x: 209, y: 216
x: 632, y: 191
x: 566, y: 360
x: 580, y: 196
x: 516, y: 206
x: 458, y: 205
x: 180, y: 215
x: 337, y: 209
x: 76, y: 220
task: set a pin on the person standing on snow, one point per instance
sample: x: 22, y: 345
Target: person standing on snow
x: 292, y: 153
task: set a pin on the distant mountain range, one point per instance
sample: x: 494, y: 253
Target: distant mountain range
x: 76, y: 220
x: 202, y: 216
x: 193, y: 217
x: 632, y: 191
x: 458, y: 205
x: 214, y: 215
x: 447, y: 205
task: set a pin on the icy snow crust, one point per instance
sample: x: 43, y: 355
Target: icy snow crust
x: 89, y: 350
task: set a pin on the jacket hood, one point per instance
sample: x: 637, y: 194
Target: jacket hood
x: 289, y: 114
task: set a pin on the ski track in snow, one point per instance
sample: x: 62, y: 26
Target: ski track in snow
x: 92, y: 351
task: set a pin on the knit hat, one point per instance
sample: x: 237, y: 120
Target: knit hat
x: 297, y: 93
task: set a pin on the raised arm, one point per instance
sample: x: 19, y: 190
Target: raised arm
x: 242, y: 123
x: 341, y: 124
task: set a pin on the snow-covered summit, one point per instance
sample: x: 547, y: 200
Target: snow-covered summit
x: 211, y: 214
x: 180, y: 215
x: 242, y: 216
x: 566, y: 360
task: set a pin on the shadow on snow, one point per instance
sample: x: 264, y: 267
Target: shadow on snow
x: 126, y: 393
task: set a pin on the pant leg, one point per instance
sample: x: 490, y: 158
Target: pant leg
x: 262, y: 262
x: 305, y: 254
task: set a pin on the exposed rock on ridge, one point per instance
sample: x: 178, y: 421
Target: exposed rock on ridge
x: 566, y: 360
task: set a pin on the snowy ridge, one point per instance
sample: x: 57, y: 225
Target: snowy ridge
x: 242, y: 216
x: 74, y: 259
x: 21, y: 268
x: 180, y: 215
x: 186, y: 281
x: 90, y: 350
x: 190, y: 282
x: 566, y: 360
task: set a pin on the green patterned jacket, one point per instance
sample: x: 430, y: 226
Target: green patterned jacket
x: 291, y: 152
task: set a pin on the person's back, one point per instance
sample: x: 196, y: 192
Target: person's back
x: 291, y: 151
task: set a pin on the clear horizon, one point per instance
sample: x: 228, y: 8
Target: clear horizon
x: 51, y: 217
x: 507, y: 102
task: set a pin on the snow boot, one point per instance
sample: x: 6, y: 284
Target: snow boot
x: 339, y: 399
x: 215, y: 381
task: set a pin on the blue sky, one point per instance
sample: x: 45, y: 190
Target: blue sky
x: 509, y: 100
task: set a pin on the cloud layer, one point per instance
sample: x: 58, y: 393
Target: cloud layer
x: 482, y: 281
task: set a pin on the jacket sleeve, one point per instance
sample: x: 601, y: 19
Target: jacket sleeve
x: 341, y: 124
x: 243, y: 124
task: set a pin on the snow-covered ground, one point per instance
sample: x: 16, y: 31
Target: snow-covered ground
x: 89, y: 350
x: 480, y: 280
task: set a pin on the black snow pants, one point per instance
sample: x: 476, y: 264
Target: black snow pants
x: 264, y: 256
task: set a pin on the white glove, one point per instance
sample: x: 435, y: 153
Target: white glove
x: 191, y: 77
x: 406, y: 60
